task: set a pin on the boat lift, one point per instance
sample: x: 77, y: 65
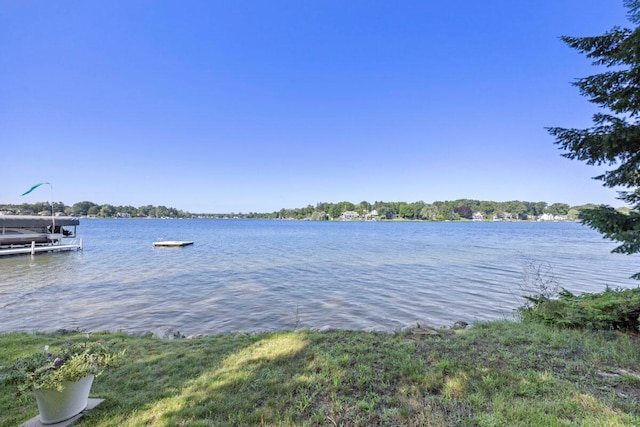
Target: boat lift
x: 24, y: 234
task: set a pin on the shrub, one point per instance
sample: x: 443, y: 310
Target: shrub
x: 613, y: 309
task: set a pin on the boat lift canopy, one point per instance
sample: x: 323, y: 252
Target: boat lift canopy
x: 29, y: 221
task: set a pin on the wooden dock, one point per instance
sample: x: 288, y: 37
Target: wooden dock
x: 34, y: 249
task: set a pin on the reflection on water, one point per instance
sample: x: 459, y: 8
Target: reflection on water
x: 273, y: 275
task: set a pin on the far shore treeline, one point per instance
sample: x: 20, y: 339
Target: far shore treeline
x: 456, y: 210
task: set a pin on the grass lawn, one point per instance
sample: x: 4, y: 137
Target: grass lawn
x: 493, y: 374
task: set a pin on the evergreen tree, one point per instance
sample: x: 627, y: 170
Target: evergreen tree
x: 614, y: 139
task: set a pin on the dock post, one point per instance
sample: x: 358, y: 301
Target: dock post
x: 33, y: 247
x: 80, y: 247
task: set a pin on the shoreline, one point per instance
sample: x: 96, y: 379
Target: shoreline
x: 171, y: 333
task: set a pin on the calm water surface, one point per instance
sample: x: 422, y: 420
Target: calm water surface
x: 257, y: 275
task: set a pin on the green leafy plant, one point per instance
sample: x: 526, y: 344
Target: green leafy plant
x: 51, y: 368
x: 613, y: 309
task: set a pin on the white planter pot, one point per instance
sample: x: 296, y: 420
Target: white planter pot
x: 56, y: 406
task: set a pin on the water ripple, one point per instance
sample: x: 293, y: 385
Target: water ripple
x: 272, y: 275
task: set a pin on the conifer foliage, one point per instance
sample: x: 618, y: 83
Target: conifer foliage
x: 614, y: 138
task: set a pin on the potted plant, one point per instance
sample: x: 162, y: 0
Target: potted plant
x: 61, y: 378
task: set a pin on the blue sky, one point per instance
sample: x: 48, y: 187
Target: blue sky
x: 239, y: 106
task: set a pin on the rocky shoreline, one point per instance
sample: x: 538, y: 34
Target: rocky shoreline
x: 172, y: 333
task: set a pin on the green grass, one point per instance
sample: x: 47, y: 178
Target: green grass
x: 494, y: 374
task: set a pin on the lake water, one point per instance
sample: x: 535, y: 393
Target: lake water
x: 260, y: 275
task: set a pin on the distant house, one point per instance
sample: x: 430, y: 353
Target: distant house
x: 371, y: 215
x: 550, y: 217
x: 123, y: 215
x: 349, y: 215
x: 478, y: 216
x: 504, y: 216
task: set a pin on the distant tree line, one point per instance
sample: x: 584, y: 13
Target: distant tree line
x: 456, y: 210
x: 437, y: 211
x: 93, y: 209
